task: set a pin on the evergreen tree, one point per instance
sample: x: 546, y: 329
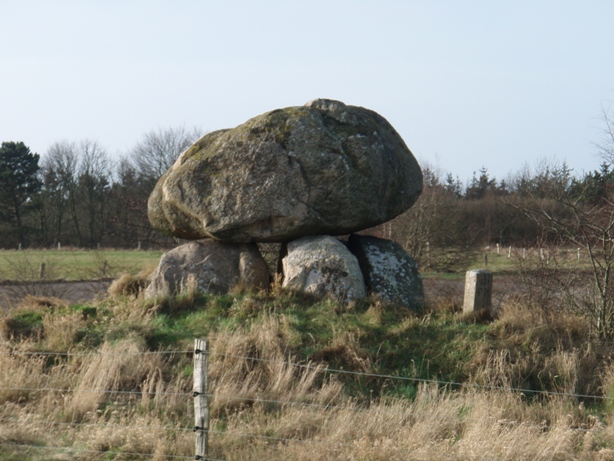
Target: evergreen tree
x: 19, y: 182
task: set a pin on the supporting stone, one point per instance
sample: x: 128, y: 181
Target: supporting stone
x: 478, y: 290
x: 323, y: 266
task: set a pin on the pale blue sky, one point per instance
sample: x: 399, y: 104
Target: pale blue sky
x: 466, y: 83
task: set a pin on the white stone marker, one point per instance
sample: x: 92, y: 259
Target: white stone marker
x: 478, y: 290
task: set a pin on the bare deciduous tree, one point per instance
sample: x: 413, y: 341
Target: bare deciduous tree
x: 565, y: 209
x: 59, y: 167
x: 432, y: 230
x: 158, y: 150
x: 606, y: 145
x: 94, y: 179
x: 76, y: 179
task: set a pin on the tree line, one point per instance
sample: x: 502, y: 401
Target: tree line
x: 77, y: 195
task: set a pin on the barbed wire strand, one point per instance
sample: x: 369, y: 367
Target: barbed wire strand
x: 85, y: 450
x: 82, y: 354
x: 119, y: 426
x: 213, y: 431
x: 240, y: 434
x: 214, y: 396
x: 95, y: 391
x: 359, y: 373
x: 420, y: 380
x: 280, y: 439
x: 373, y: 375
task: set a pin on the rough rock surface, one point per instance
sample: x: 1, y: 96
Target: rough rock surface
x: 323, y: 266
x: 388, y: 270
x: 208, y: 266
x: 322, y: 168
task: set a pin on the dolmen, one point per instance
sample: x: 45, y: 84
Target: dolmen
x: 298, y: 176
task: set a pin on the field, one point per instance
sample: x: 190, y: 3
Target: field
x: 292, y: 377
x: 78, y: 264
x: 71, y: 264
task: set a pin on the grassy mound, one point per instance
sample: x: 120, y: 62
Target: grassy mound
x: 279, y: 381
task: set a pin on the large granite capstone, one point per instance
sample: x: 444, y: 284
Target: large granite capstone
x: 322, y: 168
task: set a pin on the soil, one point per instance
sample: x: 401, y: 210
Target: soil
x: 448, y: 293
x: 72, y: 291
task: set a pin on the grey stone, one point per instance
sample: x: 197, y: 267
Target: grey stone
x: 323, y: 266
x: 388, y: 270
x: 322, y: 168
x: 208, y: 266
x: 478, y: 290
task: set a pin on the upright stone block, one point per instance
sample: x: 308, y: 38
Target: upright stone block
x: 478, y: 290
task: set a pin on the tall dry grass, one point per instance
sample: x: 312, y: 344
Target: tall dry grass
x: 122, y: 398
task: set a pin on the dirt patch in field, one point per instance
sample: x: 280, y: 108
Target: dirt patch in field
x: 72, y: 291
x: 445, y: 292
x: 437, y: 290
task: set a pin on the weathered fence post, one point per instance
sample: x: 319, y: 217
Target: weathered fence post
x: 201, y: 399
x: 485, y: 259
x: 478, y: 290
x: 104, y: 268
x: 41, y: 272
x: 19, y: 248
x: 139, y: 246
x: 509, y: 253
x: 498, y: 249
x: 59, y: 246
x: 578, y: 254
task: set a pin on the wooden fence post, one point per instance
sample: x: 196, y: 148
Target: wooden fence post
x: 201, y: 399
x: 41, y: 271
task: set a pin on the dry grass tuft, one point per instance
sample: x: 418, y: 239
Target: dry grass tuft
x: 115, y: 367
x: 345, y: 351
x: 130, y: 285
x: 541, y: 351
x: 236, y: 377
x: 31, y: 301
x: 61, y: 331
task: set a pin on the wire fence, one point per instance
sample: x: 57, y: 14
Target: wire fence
x: 324, y: 370
x: 446, y: 386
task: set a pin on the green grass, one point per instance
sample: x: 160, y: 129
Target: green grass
x: 382, y: 340
x: 25, y: 265
x: 90, y: 264
x: 365, y: 336
x: 502, y: 263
